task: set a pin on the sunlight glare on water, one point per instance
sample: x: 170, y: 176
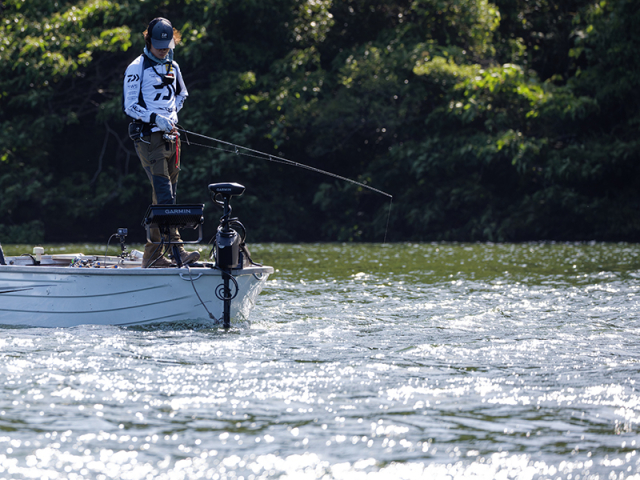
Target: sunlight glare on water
x: 412, y: 361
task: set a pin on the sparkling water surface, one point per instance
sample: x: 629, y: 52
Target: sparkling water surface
x: 410, y: 361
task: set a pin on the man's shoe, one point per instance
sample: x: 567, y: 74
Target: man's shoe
x: 159, y: 262
x: 189, y: 257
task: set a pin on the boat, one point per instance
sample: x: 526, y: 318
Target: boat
x: 66, y: 290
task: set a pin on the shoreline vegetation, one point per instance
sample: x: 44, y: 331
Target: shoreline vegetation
x: 508, y: 121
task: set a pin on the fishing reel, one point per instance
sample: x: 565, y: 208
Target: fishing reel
x: 229, y: 243
x: 171, y: 137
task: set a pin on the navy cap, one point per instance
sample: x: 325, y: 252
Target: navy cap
x: 161, y: 32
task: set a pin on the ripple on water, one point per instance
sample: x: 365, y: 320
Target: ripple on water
x: 435, y: 361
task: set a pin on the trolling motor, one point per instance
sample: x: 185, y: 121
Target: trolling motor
x: 228, y: 242
x: 122, y: 235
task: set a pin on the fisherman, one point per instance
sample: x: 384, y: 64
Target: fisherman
x: 154, y: 93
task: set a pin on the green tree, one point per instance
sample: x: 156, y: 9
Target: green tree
x: 486, y: 121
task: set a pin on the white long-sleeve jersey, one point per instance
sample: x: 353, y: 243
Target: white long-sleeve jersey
x: 150, y: 88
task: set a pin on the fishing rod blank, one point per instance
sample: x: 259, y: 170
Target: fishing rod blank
x: 249, y: 152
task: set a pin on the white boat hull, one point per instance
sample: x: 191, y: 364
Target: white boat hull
x: 61, y: 296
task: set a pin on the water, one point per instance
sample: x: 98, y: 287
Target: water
x: 447, y: 361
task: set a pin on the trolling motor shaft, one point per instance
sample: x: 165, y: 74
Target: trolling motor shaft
x: 227, y: 240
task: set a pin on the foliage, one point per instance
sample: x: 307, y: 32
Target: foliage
x: 512, y: 120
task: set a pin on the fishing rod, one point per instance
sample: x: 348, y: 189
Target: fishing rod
x: 248, y: 152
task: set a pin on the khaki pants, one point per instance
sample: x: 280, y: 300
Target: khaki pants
x: 158, y: 158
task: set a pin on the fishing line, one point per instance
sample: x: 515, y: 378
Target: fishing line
x: 265, y: 156
x: 248, y: 152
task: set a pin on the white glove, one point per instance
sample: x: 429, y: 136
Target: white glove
x: 163, y: 123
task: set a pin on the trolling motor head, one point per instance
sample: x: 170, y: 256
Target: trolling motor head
x: 227, y: 239
x: 221, y: 194
x: 225, y: 191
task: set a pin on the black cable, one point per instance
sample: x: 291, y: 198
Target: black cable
x: 159, y: 247
x: 31, y: 257
x: 106, y: 249
x: 198, y: 295
x: 243, y: 247
x: 235, y: 284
